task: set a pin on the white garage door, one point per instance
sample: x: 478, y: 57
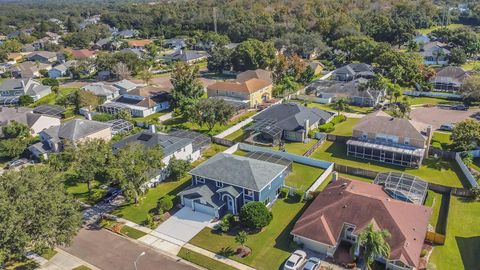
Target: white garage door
x: 204, y: 209
x: 188, y: 203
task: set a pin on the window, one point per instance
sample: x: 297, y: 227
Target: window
x: 200, y: 179
x: 219, y: 184
x: 248, y: 192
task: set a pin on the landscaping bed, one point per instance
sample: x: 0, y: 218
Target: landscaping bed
x: 270, y: 247
x: 121, y: 229
x: 438, y: 171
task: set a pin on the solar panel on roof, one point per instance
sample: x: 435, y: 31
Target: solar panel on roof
x: 144, y: 137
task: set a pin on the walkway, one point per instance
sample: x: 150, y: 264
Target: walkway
x: 65, y: 261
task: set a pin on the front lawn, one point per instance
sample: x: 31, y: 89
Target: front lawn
x: 80, y: 191
x: 345, y: 128
x: 203, y: 260
x: 302, y: 176
x: 132, y: 232
x: 438, y: 171
x: 270, y: 247
x: 463, y: 237
x: 441, y: 140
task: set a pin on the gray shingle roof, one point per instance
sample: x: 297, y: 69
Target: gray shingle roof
x: 292, y: 116
x: 204, y: 191
x: 239, y: 171
x: 169, y: 144
x: 76, y: 129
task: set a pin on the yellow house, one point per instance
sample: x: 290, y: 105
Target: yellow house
x: 316, y: 66
x: 252, y: 87
x: 14, y: 57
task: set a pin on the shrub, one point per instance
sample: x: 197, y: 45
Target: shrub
x: 255, y: 215
x: 25, y: 100
x: 102, y: 117
x: 97, y: 195
x: 338, y: 119
x: 298, y: 195
x: 50, y: 82
x: 150, y: 222
x: 117, y: 228
x: 283, y: 192
x: 327, y: 128
x: 165, y: 203
x: 475, y: 192
x: 226, y: 222
x: 423, y: 253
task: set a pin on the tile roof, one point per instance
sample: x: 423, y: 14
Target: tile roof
x: 359, y: 203
x: 83, y: 53
x: 139, y: 42
x: 239, y: 171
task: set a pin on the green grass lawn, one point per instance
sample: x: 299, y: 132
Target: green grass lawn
x: 437, y: 202
x: 445, y: 172
x: 426, y: 31
x: 302, y: 176
x: 202, y: 260
x: 48, y: 254
x: 151, y: 117
x: 180, y: 122
x: 81, y: 267
x: 431, y: 100
x: 345, y: 128
x: 52, y: 97
x: 80, y: 191
x: 441, y: 140
x: 237, y: 136
x: 139, y: 212
x: 471, y: 65
x: 476, y: 164
x: 132, y: 232
x: 463, y: 237
x: 270, y: 247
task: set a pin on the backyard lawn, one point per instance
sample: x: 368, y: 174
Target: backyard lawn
x: 151, y: 117
x: 430, y: 100
x: 270, y: 247
x: 437, y: 171
x: 52, y: 97
x: 463, y: 237
x: 439, y: 204
x: 328, y: 107
x: 426, y: 31
x: 237, y: 136
x: 139, y: 212
x: 471, y: 65
x: 302, y: 176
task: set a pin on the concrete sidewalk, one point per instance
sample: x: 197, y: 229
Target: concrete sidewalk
x: 65, y: 261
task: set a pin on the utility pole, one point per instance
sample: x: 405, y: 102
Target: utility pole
x: 215, y: 19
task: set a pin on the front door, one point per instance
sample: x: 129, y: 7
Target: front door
x: 230, y: 203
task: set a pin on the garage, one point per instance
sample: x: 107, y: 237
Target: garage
x: 203, y: 208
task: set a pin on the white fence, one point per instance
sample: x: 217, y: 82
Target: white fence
x: 471, y: 179
x: 321, y: 179
x: 432, y: 94
x: 234, y: 128
x: 313, y: 99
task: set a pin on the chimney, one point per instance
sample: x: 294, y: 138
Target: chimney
x: 152, y: 128
x: 306, y: 127
x: 334, y: 176
x: 89, y: 116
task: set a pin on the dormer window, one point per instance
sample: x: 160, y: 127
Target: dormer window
x: 218, y: 184
x: 200, y: 179
x: 248, y: 192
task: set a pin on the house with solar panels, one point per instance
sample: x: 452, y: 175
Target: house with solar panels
x: 178, y: 147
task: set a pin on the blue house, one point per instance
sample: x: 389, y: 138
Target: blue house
x: 226, y: 182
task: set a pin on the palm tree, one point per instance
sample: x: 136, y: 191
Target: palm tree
x: 241, y: 238
x: 374, y: 244
x: 340, y: 105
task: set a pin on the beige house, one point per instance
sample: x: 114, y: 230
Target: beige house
x: 399, y: 141
x: 36, y: 122
x: 72, y: 132
x: 251, y: 88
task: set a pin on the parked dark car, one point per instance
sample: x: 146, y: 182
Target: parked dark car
x: 460, y: 107
x: 18, y: 163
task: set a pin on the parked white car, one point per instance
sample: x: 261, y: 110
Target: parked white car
x: 296, y: 260
x: 313, y: 263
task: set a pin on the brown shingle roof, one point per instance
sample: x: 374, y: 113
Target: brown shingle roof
x: 380, y: 122
x: 255, y: 74
x: 83, y: 53
x: 360, y: 204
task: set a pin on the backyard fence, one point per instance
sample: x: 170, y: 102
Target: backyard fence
x: 465, y: 170
x: 314, y: 147
x: 337, y: 138
x: 312, y: 99
x: 435, y: 238
x: 223, y: 142
x: 320, y: 179
x: 432, y: 94
x: 441, y: 153
x: 355, y: 171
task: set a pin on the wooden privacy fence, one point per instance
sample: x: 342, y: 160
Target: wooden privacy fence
x: 436, y: 238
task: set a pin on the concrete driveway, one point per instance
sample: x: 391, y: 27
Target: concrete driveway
x: 184, y: 224
x: 437, y: 116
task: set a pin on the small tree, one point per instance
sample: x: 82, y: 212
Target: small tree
x: 165, y: 203
x: 475, y: 192
x: 16, y: 130
x: 25, y: 100
x: 212, y: 111
x: 340, y: 105
x: 241, y: 238
x: 465, y: 135
x: 178, y: 168
x: 255, y: 215
x: 374, y: 244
